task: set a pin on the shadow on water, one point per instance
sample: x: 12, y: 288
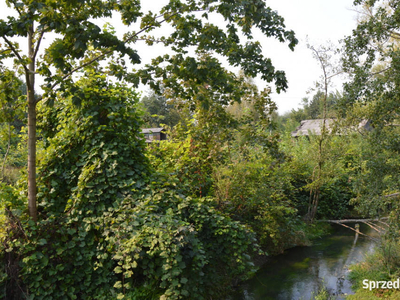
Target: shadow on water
x: 301, y: 272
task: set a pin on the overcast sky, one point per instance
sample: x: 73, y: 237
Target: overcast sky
x: 319, y: 20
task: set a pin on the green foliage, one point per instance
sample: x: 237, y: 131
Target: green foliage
x: 157, y: 242
x: 382, y: 265
x: 187, y: 163
x: 159, y: 111
x: 107, y: 229
x: 313, y: 108
x: 179, y: 246
x: 254, y: 189
x: 322, y: 294
x: 336, y: 185
x: 92, y: 143
x: 12, y: 154
x: 80, y: 43
x: 10, y: 97
x: 372, y: 94
x: 8, y: 202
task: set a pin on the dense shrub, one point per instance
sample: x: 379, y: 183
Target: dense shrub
x: 254, y: 189
x: 109, y: 229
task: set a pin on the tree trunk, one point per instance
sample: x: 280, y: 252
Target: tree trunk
x: 30, y: 84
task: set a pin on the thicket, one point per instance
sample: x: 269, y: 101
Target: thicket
x: 109, y: 228
x: 183, y: 217
x: 256, y: 175
x: 186, y: 217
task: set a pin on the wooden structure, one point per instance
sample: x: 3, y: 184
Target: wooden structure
x: 308, y: 127
x: 154, y: 134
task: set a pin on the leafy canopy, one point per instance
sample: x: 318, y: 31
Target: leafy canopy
x: 80, y: 41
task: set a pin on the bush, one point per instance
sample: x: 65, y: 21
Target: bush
x: 254, y: 190
x: 107, y: 228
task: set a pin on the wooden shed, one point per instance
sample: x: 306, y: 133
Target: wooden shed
x: 154, y: 134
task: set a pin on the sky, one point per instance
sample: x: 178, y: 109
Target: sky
x: 315, y: 21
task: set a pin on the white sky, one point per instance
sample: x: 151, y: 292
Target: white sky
x: 319, y: 20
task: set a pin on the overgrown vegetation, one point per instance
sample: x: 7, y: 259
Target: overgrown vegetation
x: 184, y: 218
x: 111, y: 229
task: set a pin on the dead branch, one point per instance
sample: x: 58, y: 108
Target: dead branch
x: 357, y: 231
x: 352, y: 220
x: 372, y: 226
x: 392, y: 195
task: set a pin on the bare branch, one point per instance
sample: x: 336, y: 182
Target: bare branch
x: 373, y: 227
x: 365, y: 221
x: 335, y: 74
x: 352, y: 220
x: 392, y: 195
x: 38, y: 44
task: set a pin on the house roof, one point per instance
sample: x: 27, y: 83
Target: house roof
x: 314, y: 127
x: 152, y: 130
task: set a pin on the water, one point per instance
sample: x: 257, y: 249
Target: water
x: 301, y: 272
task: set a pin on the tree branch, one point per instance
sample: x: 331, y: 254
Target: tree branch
x: 335, y: 74
x: 5, y: 50
x: 16, y: 8
x: 392, y: 195
x: 352, y: 220
x: 38, y: 44
x: 12, y: 48
x: 394, y: 35
x: 105, y: 53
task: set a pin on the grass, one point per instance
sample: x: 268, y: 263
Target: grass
x: 383, y: 265
x: 322, y: 294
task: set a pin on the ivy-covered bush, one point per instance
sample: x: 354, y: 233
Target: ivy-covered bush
x: 187, y: 162
x: 108, y: 228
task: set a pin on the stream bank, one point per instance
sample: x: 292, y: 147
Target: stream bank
x: 301, y: 272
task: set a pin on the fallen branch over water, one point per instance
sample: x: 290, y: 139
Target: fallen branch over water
x: 354, y: 221
x: 365, y: 221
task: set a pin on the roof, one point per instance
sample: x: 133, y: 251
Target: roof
x: 152, y: 130
x: 314, y: 127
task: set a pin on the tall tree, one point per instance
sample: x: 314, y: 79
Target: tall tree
x: 313, y: 108
x: 81, y: 42
x: 159, y: 111
x: 324, y: 56
x: 372, y: 58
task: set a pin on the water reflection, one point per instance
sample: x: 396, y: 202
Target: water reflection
x: 300, y: 272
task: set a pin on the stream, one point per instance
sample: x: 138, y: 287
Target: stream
x: 300, y: 272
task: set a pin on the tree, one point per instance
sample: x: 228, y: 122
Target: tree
x: 321, y: 173
x: 314, y: 108
x: 110, y: 227
x: 159, y: 111
x: 11, y: 104
x: 62, y: 58
x: 81, y: 43
x: 371, y: 58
